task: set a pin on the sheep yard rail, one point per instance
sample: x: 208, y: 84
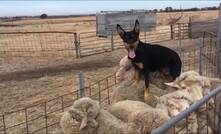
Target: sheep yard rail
x: 183, y: 116
x: 42, y: 117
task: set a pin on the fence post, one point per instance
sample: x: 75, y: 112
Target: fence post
x: 46, y: 117
x: 218, y: 45
x: 4, y: 124
x: 26, y: 120
x: 190, y: 28
x: 81, y: 84
x: 145, y: 36
x: 219, y: 119
x: 79, y: 45
x: 112, y: 41
x: 200, y: 54
x: 180, y: 43
x: 171, y: 32
x: 76, y: 45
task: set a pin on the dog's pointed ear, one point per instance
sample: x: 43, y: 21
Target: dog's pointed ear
x: 120, y: 30
x: 137, y: 27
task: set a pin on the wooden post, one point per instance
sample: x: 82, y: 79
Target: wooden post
x: 4, y: 124
x: 26, y: 120
x: 200, y: 54
x: 81, y: 84
x: 145, y: 36
x: 76, y: 45
x: 99, y: 91
x: 219, y: 119
x: 171, y: 32
x: 112, y: 41
x: 179, y: 37
x: 46, y: 117
x: 190, y: 28
x: 79, y: 45
x: 218, y: 46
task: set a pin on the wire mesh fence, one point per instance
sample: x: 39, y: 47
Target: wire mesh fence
x: 201, y: 56
x: 35, y: 44
x: 90, y: 44
x: 43, y: 117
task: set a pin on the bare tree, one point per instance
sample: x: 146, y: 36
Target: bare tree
x: 44, y: 16
x: 175, y: 18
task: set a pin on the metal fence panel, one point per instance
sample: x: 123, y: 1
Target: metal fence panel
x: 37, y: 44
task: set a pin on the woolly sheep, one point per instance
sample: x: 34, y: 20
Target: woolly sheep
x: 68, y: 124
x: 134, y: 90
x: 189, y: 87
x: 139, y: 113
x: 126, y: 71
x: 197, y: 86
x: 94, y: 120
x: 125, y: 64
x: 81, y: 111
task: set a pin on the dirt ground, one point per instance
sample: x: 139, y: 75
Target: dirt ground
x: 26, y: 85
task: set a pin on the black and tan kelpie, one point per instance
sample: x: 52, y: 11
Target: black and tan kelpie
x: 149, y: 57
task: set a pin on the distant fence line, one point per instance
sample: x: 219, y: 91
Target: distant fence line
x: 71, y: 44
x: 62, y: 44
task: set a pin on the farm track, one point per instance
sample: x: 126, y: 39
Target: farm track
x: 83, y: 64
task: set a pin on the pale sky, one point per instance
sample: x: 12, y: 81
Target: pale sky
x: 20, y: 8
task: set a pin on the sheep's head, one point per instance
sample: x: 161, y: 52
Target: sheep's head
x: 85, y: 111
x: 125, y: 66
x: 186, y: 80
x: 192, y: 82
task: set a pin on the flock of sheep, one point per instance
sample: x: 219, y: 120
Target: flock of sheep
x: 129, y: 114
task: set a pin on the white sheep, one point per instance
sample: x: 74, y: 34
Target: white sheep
x: 139, y: 113
x: 68, y: 124
x: 125, y: 65
x: 131, y: 89
x: 94, y: 120
x: 127, y: 71
x: 192, y: 87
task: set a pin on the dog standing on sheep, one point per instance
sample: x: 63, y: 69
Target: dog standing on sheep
x: 149, y: 57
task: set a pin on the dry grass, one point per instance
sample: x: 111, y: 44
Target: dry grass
x: 87, y: 23
x: 77, y: 24
x: 164, y: 18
